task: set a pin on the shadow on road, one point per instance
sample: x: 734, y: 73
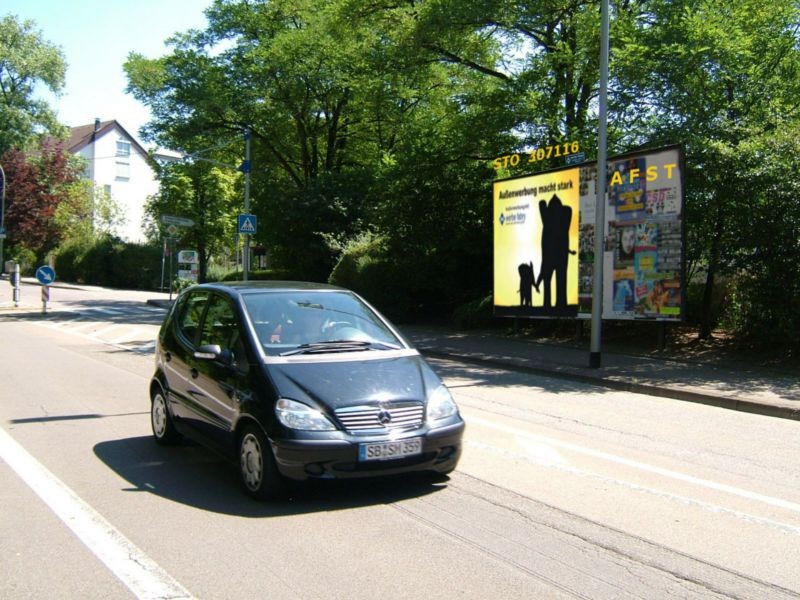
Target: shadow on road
x: 192, y: 475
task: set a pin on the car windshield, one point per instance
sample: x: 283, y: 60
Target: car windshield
x: 316, y: 321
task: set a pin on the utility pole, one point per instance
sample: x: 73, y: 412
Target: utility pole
x: 600, y: 215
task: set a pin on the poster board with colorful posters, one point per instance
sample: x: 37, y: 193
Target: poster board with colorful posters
x: 643, y: 240
x: 536, y: 245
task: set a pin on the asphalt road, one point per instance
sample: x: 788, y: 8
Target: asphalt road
x: 564, y: 490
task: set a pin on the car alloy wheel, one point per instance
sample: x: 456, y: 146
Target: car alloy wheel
x: 252, y: 462
x: 257, y: 468
x: 161, y: 421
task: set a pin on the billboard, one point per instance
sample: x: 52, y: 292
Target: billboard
x: 536, y: 226
x: 544, y: 228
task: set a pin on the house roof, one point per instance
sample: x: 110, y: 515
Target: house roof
x: 83, y: 135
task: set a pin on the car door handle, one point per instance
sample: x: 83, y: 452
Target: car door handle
x: 195, y: 373
x: 168, y: 356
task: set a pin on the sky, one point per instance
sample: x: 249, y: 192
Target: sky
x: 95, y: 37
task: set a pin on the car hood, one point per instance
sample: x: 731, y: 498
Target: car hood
x: 352, y: 383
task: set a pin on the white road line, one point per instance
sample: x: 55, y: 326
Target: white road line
x: 561, y: 465
x: 105, y: 311
x: 127, y: 562
x: 100, y: 333
x: 130, y: 335
x: 713, y: 485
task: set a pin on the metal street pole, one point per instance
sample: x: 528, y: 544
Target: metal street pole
x: 600, y: 215
x: 246, y: 256
x: 2, y: 217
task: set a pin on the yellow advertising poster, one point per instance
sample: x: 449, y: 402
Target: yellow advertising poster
x: 536, y: 222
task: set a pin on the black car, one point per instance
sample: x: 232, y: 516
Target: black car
x: 298, y: 381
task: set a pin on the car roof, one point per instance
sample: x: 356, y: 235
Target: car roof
x: 247, y: 287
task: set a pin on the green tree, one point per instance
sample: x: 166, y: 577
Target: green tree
x: 208, y: 195
x: 723, y: 79
x: 26, y: 60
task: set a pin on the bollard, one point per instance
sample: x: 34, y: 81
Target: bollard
x: 15, y: 283
x: 45, y: 298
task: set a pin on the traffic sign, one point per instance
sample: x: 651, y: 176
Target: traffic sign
x: 172, y: 229
x: 188, y: 257
x: 179, y: 221
x: 45, y: 274
x: 247, y: 223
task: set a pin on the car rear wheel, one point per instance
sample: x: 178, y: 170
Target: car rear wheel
x: 257, y: 469
x: 161, y: 421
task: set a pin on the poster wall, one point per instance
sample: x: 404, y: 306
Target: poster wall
x: 643, y: 258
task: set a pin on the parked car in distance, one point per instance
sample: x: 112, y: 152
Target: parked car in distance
x: 298, y: 381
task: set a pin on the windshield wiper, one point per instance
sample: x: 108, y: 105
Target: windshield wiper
x: 340, y: 346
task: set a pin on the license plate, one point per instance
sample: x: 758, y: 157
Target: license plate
x: 389, y: 450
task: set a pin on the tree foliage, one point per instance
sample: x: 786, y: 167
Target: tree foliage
x: 36, y: 186
x: 207, y: 195
x: 26, y: 60
x: 373, y: 125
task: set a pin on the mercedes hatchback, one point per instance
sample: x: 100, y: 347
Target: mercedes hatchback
x: 298, y: 381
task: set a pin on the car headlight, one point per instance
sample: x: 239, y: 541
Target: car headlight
x: 296, y: 415
x: 441, y: 404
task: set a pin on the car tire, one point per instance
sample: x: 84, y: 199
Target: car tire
x: 257, y: 469
x: 161, y: 421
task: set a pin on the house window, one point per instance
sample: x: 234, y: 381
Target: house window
x: 123, y: 148
x: 123, y: 170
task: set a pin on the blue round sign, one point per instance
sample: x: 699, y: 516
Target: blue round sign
x: 46, y: 275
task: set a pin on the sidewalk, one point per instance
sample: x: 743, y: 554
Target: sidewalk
x: 758, y: 391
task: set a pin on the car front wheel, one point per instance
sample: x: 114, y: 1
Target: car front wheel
x: 257, y: 468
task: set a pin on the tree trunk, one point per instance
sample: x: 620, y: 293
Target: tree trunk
x: 713, y: 264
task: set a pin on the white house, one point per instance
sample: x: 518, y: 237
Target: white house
x: 118, y: 164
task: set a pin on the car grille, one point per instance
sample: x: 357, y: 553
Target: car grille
x: 386, y: 417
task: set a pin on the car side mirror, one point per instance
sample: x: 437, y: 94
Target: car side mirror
x: 214, y: 352
x: 208, y: 352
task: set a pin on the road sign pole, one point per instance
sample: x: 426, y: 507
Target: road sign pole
x: 171, y: 252
x: 246, y: 255
x: 45, y: 298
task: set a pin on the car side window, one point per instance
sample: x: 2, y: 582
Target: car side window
x: 190, y: 314
x: 221, y: 327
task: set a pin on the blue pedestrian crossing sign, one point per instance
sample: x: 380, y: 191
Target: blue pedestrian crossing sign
x: 247, y: 223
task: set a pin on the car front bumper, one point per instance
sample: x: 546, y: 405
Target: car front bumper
x: 339, y: 459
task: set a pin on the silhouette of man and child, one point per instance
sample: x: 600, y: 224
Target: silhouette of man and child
x: 556, y: 220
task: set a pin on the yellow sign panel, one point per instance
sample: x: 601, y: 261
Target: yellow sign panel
x: 536, y: 239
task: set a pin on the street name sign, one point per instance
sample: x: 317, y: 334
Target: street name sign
x: 178, y: 221
x: 574, y: 159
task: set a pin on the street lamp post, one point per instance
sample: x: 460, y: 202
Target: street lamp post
x: 2, y: 216
x: 599, y: 222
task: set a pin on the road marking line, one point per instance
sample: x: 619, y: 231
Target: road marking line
x: 130, y: 335
x: 564, y: 468
x: 123, y: 558
x: 713, y: 485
